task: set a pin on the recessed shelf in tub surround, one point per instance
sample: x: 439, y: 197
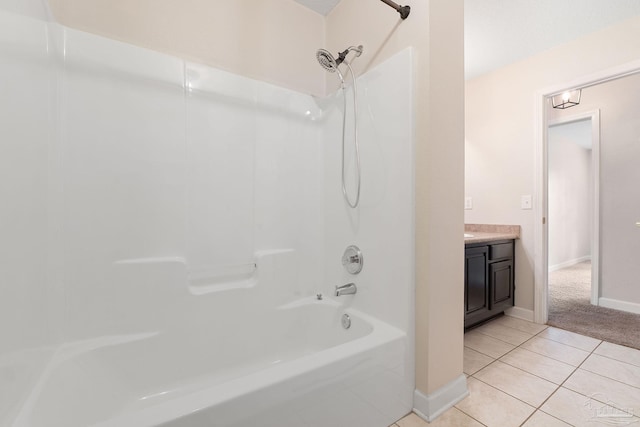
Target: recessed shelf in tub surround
x: 482, y: 233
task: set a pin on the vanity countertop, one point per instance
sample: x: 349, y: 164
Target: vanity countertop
x: 483, y: 233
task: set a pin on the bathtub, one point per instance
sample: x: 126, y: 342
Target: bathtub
x: 302, y: 369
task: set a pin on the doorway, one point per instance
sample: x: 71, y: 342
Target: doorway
x: 541, y: 213
x: 573, y: 164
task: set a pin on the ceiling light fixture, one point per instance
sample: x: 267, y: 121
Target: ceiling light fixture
x: 567, y: 99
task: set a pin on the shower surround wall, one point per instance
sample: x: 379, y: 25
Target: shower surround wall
x: 168, y: 162
x: 147, y: 195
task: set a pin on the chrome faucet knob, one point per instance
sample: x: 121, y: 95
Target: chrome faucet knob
x: 352, y: 259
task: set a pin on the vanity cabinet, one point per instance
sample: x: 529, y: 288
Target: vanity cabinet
x: 488, y: 280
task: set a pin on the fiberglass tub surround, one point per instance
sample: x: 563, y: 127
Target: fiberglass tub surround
x: 170, y: 225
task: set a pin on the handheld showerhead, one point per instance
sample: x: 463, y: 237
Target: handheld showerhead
x: 326, y: 60
x: 329, y: 63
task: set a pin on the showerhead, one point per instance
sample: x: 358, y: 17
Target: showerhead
x: 329, y: 63
x: 326, y: 60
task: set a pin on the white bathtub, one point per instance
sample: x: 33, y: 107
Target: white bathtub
x: 302, y: 369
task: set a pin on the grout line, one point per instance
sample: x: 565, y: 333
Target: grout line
x: 470, y: 416
x: 516, y: 347
x: 551, y: 357
x: 509, y: 394
x: 539, y: 354
x: 478, y: 351
x: 504, y: 392
x: 544, y: 327
x: 613, y: 358
x: 552, y: 416
x: 569, y: 345
x: 473, y: 418
x: 488, y: 355
x: 529, y: 417
x: 612, y: 379
x: 485, y: 366
x: 604, y: 376
x: 500, y: 339
x: 511, y: 327
x: 526, y: 372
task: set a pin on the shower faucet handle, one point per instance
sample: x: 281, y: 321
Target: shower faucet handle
x: 352, y: 259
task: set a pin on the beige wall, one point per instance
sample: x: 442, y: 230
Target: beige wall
x: 276, y: 40
x: 269, y: 40
x: 500, y: 131
x: 435, y: 30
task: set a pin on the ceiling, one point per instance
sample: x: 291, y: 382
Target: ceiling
x: 501, y: 32
x: 323, y: 7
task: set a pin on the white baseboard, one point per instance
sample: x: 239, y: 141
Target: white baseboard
x: 631, y: 307
x: 520, y: 313
x: 569, y: 263
x: 435, y: 404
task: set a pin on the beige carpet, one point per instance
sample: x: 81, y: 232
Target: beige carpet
x: 570, y: 309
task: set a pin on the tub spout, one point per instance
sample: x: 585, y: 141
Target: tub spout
x: 348, y: 289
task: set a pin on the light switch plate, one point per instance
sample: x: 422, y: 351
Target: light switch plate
x: 526, y: 202
x: 468, y: 203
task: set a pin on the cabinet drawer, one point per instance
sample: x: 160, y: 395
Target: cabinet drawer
x: 500, y: 251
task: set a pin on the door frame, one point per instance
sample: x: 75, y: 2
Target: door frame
x: 541, y: 230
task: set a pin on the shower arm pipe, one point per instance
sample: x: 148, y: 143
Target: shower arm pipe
x: 404, y: 11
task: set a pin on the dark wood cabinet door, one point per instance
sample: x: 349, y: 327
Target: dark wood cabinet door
x: 476, y: 286
x: 501, y: 281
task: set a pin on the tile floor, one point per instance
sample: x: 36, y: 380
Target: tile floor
x: 523, y: 374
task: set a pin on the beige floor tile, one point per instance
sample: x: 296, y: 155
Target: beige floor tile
x: 570, y: 338
x: 537, y: 364
x: 540, y: 419
x: 619, y: 352
x: 516, y: 382
x: 614, y: 369
x: 474, y: 361
x: 555, y: 350
x: 487, y: 345
x: 452, y: 418
x: 578, y: 410
x: 493, y: 407
x: 519, y: 324
x: 412, y: 420
x: 504, y: 333
x: 606, y: 390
